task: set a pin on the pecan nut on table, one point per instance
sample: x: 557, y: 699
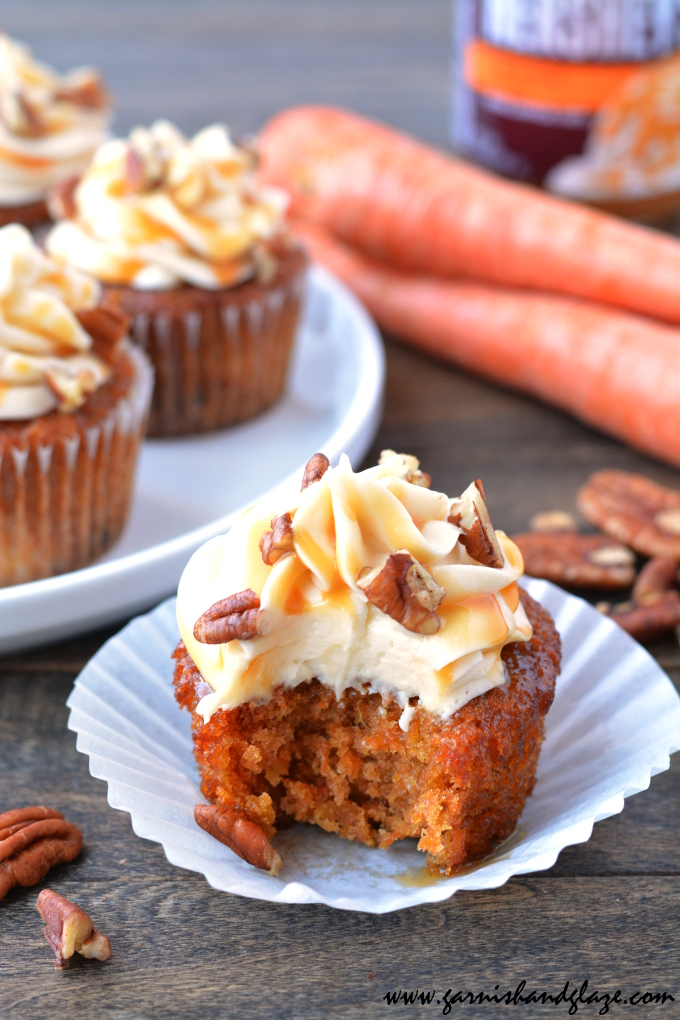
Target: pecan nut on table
x: 32, y: 840
x: 635, y: 516
x: 69, y: 930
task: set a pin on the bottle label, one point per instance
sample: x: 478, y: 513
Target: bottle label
x: 582, y: 96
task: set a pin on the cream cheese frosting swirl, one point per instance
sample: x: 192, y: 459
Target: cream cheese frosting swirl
x: 321, y: 613
x: 50, y: 124
x: 46, y: 359
x: 158, y: 210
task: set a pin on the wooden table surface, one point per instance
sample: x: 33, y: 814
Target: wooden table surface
x: 608, y: 911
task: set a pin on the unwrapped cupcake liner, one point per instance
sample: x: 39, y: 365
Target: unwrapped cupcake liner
x: 613, y: 724
x: 64, y: 502
x: 222, y: 362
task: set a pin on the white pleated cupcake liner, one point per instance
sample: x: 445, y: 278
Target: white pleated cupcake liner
x: 614, y: 722
x: 67, y: 500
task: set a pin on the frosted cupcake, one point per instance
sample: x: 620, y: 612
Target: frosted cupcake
x: 200, y: 259
x: 50, y: 126
x: 359, y: 656
x: 74, y: 399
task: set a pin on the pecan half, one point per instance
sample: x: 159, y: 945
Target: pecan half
x: 33, y: 840
x: 553, y: 521
x: 61, y: 200
x: 69, y: 930
x: 649, y: 621
x: 582, y: 561
x: 234, y: 618
x: 404, y: 590
x: 278, y: 541
x: 654, y: 607
x: 657, y: 577
x: 107, y: 326
x: 241, y: 835
x: 315, y: 468
x: 478, y: 537
x: 634, y: 510
x: 407, y: 466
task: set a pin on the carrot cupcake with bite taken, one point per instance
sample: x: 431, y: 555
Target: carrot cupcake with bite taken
x: 200, y: 258
x: 74, y: 399
x: 361, y: 658
x: 50, y: 126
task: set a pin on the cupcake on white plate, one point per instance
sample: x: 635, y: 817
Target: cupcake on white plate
x: 74, y: 401
x: 200, y: 257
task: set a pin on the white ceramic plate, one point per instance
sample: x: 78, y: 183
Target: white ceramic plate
x: 613, y: 724
x: 190, y: 489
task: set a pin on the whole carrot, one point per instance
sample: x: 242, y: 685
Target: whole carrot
x: 418, y: 209
x: 614, y: 370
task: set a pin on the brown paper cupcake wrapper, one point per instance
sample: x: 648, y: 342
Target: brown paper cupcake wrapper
x: 219, y: 357
x: 65, y: 501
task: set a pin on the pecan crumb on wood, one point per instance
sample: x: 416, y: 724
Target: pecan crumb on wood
x: 581, y: 561
x: 234, y: 618
x: 633, y: 510
x: 241, y: 835
x: 278, y: 541
x: 478, y: 537
x: 69, y: 930
x: 316, y: 467
x: 33, y: 840
x: 404, y: 590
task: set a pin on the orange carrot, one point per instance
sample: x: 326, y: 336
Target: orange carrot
x: 614, y: 370
x: 418, y: 209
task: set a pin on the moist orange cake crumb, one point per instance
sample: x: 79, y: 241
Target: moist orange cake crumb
x: 458, y: 785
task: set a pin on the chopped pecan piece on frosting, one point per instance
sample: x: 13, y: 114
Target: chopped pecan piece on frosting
x: 278, y: 541
x: 107, y: 326
x: 634, y: 510
x: 135, y: 170
x: 234, y: 618
x: 70, y: 388
x: 478, y: 537
x: 69, y: 930
x: 87, y: 91
x: 19, y: 116
x: 61, y: 200
x: 315, y: 468
x: 404, y: 590
x: 409, y: 467
x: 581, y: 561
x: 241, y: 835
